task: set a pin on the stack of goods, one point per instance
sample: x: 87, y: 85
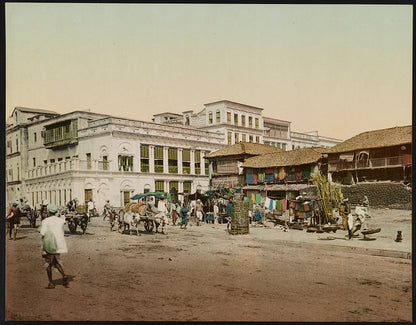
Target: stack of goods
x: 301, y: 209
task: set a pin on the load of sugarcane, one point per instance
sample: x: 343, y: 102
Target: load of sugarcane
x: 330, y: 194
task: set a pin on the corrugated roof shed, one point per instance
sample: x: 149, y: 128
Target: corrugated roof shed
x: 286, y: 158
x: 242, y: 148
x: 375, y: 139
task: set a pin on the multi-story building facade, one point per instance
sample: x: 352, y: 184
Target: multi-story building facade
x: 88, y: 155
x: 245, y: 123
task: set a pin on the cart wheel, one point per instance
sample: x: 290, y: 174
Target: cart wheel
x: 148, y: 225
x: 72, y: 226
x: 121, y: 227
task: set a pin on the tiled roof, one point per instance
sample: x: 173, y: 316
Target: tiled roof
x: 375, y: 139
x: 242, y: 148
x: 285, y: 158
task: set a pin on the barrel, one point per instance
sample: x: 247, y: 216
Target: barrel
x: 239, y: 218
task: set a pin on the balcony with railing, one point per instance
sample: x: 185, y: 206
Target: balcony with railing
x: 67, y: 165
x: 374, y: 163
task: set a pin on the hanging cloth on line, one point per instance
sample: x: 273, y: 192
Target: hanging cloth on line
x: 267, y: 203
x: 283, y: 205
x: 258, y: 198
x: 271, y: 205
x: 279, y: 205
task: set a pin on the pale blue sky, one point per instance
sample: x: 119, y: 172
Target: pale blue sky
x: 340, y: 69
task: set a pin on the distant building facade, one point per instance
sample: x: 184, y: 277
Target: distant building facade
x: 245, y: 123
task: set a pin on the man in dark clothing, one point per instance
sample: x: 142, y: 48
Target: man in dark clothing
x: 13, y: 218
x: 184, y: 215
x: 229, y: 213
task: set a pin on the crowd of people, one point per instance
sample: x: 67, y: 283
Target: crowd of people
x: 52, y: 226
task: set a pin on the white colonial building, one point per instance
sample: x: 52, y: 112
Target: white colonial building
x: 88, y: 155
x: 245, y: 123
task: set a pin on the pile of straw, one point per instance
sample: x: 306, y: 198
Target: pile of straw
x: 135, y: 207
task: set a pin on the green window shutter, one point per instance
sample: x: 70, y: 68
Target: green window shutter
x: 144, y: 151
x: 173, y: 184
x: 187, y: 187
x: 186, y: 155
x: 159, y: 186
x: 158, y: 152
x: 173, y: 153
x: 197, y: 156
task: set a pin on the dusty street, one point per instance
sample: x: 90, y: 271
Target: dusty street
x: 202, y: 274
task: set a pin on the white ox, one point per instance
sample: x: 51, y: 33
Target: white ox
x: 161, y: 219
x: 132, y: 219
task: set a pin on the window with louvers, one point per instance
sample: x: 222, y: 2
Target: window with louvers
x: 144, y: 158
x: 186, y: 161
x: 173, y: 160
x: 159, y: 186
x: 158, y: 154
x: 187, y: 187
x: 197, y: 162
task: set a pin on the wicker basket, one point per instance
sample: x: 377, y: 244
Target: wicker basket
x: 239, y: 218
x: 82, y: 209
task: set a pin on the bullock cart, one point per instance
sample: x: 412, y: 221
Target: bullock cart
x: 133, y: 213
x: 130, y: 216
x: 76, y: 218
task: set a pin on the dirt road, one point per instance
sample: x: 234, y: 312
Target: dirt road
x: 202, y: 274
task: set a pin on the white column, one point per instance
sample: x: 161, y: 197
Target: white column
x: 152, y: 159
x: 192, y: 162
x: 139, y: 165
x: 180, y: 169
x: 165, y: 160
x: 202, y: 163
